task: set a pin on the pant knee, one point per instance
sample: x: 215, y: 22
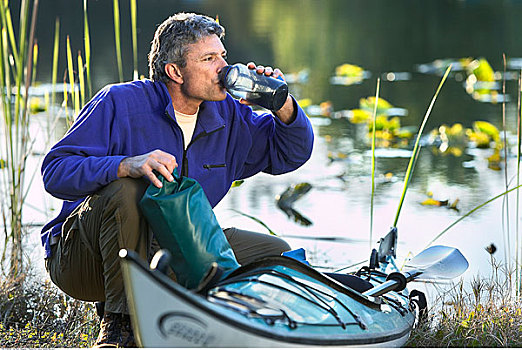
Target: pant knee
x: 281, y: 245
x: 126, y: 191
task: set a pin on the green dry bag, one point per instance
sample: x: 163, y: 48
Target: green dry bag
x: 183, y: 223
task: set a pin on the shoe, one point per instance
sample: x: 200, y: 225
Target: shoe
x: 100, y: 309
x: 115, y: 332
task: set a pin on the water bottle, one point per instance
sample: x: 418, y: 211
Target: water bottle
x: 264, y: 91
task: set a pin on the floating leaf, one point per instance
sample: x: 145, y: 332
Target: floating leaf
x: 488, y: 129
x: 237, y: 183
x: 494, y: 160
x: 349, y: 70
x: 305, y: 102
x: 336, y: 157
x: 36, y: 105
x: 369, y: 103
x: 481, y: 140
x: 482, y: 70
x: 358, y: 116
x: 431, y: 201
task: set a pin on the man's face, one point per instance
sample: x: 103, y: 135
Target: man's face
x: 204, y: 59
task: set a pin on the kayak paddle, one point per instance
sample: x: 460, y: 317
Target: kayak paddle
x: 434, y: 263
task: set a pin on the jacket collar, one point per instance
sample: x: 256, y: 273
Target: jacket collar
x: 209, y: 118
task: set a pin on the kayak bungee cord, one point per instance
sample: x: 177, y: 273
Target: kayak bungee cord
x: 309, y: 290
x: 327, y: 309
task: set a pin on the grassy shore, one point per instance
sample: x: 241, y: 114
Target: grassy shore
x: 35, y: 314
x: 480, y: 313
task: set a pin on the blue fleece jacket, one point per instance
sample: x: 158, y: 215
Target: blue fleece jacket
x: 230, y: 142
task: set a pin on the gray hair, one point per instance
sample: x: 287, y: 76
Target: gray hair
x: 172, y: 38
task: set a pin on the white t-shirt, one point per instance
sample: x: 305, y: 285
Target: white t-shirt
x: 187, y: 123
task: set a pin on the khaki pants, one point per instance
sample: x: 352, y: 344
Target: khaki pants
x: 85, y: 262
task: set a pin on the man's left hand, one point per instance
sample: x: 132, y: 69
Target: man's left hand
x: 287, y: 113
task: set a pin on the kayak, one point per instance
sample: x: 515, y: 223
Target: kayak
x: 284, y: 302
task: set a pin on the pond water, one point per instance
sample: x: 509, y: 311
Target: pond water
x: 396, y: 41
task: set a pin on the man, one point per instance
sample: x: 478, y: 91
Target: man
x: 180, y: 118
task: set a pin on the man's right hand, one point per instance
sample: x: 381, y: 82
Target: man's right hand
x: 143, y: 165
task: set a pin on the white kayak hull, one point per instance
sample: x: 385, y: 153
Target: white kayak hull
x: 165, y: 314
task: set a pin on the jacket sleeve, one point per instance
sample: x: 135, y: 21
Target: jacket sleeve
x: 81, y: 162
x: 276, y: 147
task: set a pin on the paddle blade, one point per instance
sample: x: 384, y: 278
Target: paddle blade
x: 439, y: 262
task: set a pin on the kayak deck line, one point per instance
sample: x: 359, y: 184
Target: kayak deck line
x: 312, y: 291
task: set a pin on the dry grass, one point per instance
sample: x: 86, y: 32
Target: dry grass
x: 487, y: 314
x: 36, y: 314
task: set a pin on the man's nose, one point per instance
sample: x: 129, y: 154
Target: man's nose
x: 223, y: 62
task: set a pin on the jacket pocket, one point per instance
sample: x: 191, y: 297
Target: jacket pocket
x: 214, y: 166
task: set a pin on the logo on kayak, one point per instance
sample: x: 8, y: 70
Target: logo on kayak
x: 184, y: 327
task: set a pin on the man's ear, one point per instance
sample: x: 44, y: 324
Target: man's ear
x: 173, y: 72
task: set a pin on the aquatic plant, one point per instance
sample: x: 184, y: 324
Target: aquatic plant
x: 134, y: 29
x: 374, y: 128
x: 371, y: 102
x: 416, y: 147
x: 117, y: 37
x: 519, y: 150
x: 87, y: 48
x: 349, y: 74
x: 16, y: 67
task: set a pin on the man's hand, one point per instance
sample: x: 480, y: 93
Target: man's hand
x: 287, y: 113
x: 143, y: 165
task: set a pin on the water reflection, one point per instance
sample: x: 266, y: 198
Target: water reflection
x: 402, y: 42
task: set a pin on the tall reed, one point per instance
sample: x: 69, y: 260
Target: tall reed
x: 81, y: 79
x: 134, y: 27
x: 54, y: 72
x: 70, y: 73
x: 374, y: 122
x: 87, y: 45
x: 507, y: 239
x: 416, y: 148
x: 16, y: 66
x: 117, y: 37
x: 519, y: 149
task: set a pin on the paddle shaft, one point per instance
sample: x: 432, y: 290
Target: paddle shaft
x: 393, y: 283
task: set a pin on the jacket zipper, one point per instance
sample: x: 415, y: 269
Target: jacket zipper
x: 184, y: 164
x: 184, y: 167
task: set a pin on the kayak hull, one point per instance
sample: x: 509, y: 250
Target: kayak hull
x: 317, y: 311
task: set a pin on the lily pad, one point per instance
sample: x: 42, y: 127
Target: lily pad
x: 369, y: 104
x: 349, y: 74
